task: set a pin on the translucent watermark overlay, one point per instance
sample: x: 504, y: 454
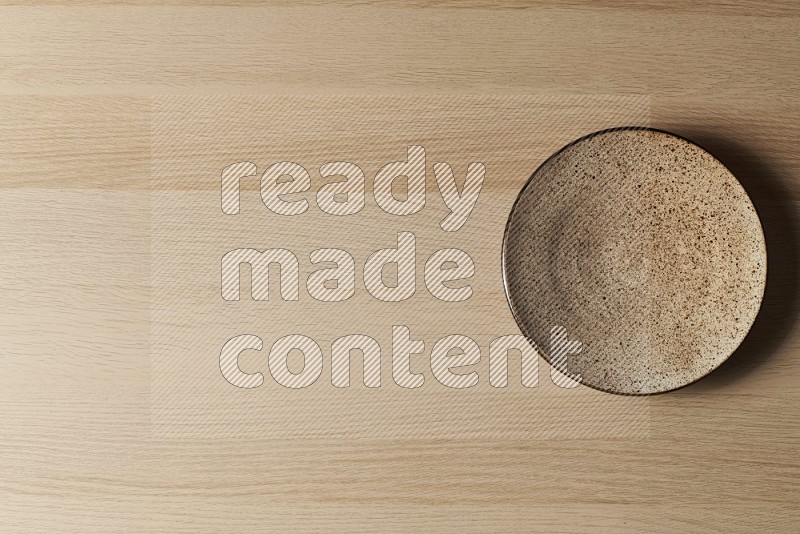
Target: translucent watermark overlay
x: 311, y: 283
x: 336, y: 283
x: 442, y: 360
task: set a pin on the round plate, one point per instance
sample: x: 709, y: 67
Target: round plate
x: 646, y: 249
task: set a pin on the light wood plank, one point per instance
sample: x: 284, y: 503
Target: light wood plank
x: 77, y: 447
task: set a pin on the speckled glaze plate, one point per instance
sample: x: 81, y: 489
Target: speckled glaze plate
x: 646, y: 249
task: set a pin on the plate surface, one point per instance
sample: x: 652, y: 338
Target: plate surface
x: 646, y: 249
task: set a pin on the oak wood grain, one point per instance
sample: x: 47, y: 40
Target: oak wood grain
x: 77, y: 447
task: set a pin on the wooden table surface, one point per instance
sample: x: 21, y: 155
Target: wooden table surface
x: 94, y: 93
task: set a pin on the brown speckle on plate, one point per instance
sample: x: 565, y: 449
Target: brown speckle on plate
x: 646, y: 249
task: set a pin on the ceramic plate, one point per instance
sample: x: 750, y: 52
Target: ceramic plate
x: 646, y: 249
